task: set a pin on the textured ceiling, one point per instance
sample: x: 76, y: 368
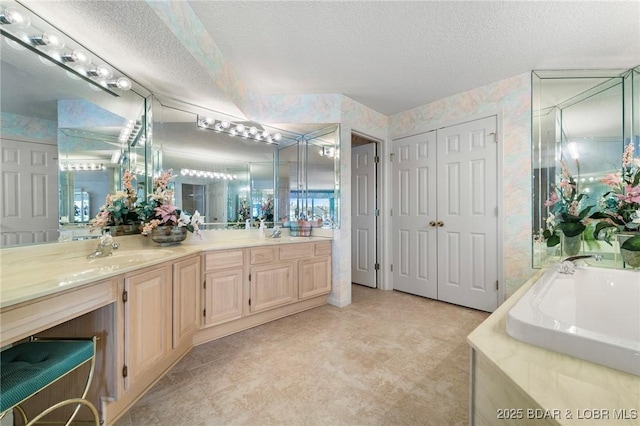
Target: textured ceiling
x: 388, y: 55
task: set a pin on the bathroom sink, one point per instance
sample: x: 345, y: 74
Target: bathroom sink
x: 134, y: 256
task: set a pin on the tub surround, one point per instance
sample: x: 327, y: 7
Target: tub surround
x: 513, y: 382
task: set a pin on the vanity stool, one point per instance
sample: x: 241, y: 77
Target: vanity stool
x: 28, y: 368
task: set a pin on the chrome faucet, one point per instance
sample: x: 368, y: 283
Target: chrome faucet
x: 568, y: 265
x: 276, y: 232
x: 105, y: 248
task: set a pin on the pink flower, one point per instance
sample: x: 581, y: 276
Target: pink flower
x: 167, y: 213
x: 613, y: 180
x: 631, y: 195
x: 553, y: 198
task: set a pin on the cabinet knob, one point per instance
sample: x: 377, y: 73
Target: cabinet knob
x: 432, y: 223
x: 440, y: 223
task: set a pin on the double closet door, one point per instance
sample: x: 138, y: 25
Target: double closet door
x: 445, y: 215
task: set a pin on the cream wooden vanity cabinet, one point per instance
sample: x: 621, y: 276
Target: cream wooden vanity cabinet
x: 251, y: 286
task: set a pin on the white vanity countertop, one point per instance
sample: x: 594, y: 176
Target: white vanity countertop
x: 554, y: 380
x: 30, y: 272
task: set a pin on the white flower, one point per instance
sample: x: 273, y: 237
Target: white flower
x: 184, y: 219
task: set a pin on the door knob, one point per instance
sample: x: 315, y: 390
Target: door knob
x: 440, y: 223
x: 432, y: 223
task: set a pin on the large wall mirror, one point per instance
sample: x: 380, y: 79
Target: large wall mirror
x: 582, y: 119
x: 79, y: 132
x: 66, y: 138
x: 236, y: 180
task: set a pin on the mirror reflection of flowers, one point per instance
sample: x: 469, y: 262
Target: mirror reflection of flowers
x: 564, y: 204
x: 244, y: 212
x: 266, y: 210
x: 119, y: 208
x: 159, y: 209
x: 619, y: 208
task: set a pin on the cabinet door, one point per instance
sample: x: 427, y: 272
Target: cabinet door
x: 271, y: 286
x: 314, y: 276
x: 186, y: 300
x: 223, y: 291
x: 147, y: 322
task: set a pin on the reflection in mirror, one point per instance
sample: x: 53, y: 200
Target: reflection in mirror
x: 230, y: 178
x: 236, y: 181
x: 578, y: 119
x: 60, y: 133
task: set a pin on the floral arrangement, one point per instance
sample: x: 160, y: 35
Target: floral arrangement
x: 159, y: 210
x: 244, y: 211
x: 564, y: 214
x: 266, y: 210
x: 619, y: 208
x: 119, y: 208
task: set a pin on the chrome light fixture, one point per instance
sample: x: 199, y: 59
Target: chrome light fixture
x: 253, y: 131
x: 210, y: 175
x: 16, y: 26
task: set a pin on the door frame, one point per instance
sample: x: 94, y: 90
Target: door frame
x: 427, y: 127
x: 379, y: 232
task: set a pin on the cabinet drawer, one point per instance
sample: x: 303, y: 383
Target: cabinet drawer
x: 323, y: 249
x: 223, y: 259
x: 262, y: 255
x: 296, y: 251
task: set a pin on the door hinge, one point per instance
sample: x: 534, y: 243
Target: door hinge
x: 125, y: 296
x: 125, y: 371
x: 376, y: 159
x: 204, y: 312
x: 249, y: 277
x: 376, y: 212
x: 204, y: 284
x: 391, y: 212
x: 391, y: 157
x: 495, y: 136
x: 392, y: 267
x: 496, y: 212
x: 376, y: 266
x: 249, y: 301
x: 497, y: 286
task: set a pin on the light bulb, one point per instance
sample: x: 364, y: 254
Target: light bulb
x: 13, y: 16
x: 277, y: 136
x: 48, y: 38
x: 240, y: 128
x: 124, y: 84
x: 253, y: 130
x: 79, y: 56
x: 224, y: 124
x: 100, y: 71
x: 265, y: 134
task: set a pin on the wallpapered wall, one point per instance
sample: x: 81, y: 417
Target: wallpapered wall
x: 511, y: 97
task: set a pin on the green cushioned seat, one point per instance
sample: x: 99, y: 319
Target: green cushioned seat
x: 28, y: 367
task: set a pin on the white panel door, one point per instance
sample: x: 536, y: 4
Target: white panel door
x: 363, y: 218
x: 414, y: 215
x: 467, y: 215
x: 29, y: 192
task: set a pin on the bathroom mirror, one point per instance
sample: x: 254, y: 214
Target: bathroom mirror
x: 67, y: 128
x: 237, y: 178
x: 581, y: 118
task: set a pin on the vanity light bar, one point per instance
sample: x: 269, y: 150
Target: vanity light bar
x: 82, y: 166
x: 211, y: 175
x: 49, y: 44
x: 328, y: 151
x: 238, y: 129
